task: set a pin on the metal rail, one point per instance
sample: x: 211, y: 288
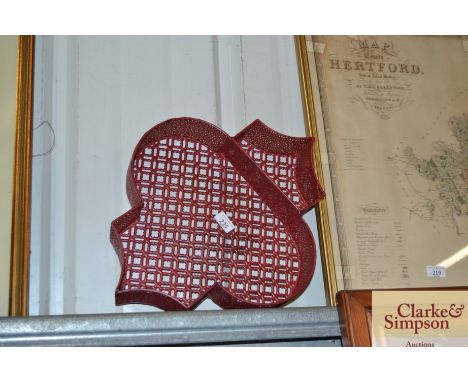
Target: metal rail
x: 224, y: 327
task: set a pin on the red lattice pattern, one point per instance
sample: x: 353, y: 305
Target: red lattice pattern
x: 178, y: 249
x: 173, y: 252
x: 281, y: 169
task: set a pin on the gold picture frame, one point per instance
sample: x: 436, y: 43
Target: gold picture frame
x: 21, y: 207
x: 323, y: 225
x: 382, y: 108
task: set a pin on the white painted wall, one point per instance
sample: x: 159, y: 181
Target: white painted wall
x: 101, y: 94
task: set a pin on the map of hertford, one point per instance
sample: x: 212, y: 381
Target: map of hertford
x: 439, y: 184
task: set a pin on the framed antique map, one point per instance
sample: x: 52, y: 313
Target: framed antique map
x: 391, y: 114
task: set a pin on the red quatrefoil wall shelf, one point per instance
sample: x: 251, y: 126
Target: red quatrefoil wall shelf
x: 216, y: 217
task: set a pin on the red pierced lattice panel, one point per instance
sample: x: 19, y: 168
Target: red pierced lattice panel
x: 281, y: 169
x: 174, y: 253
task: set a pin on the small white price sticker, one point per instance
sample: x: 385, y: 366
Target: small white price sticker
x: 435, y: 271
x: 224, y: 222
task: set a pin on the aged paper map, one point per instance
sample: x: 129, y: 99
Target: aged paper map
x: 395, y: 116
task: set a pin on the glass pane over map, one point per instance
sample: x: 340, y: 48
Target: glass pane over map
x: 395, y: 117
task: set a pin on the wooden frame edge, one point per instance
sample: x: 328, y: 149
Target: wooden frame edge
x: 352, y: 306
x: 22, y: 173
x: 323, y: 224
